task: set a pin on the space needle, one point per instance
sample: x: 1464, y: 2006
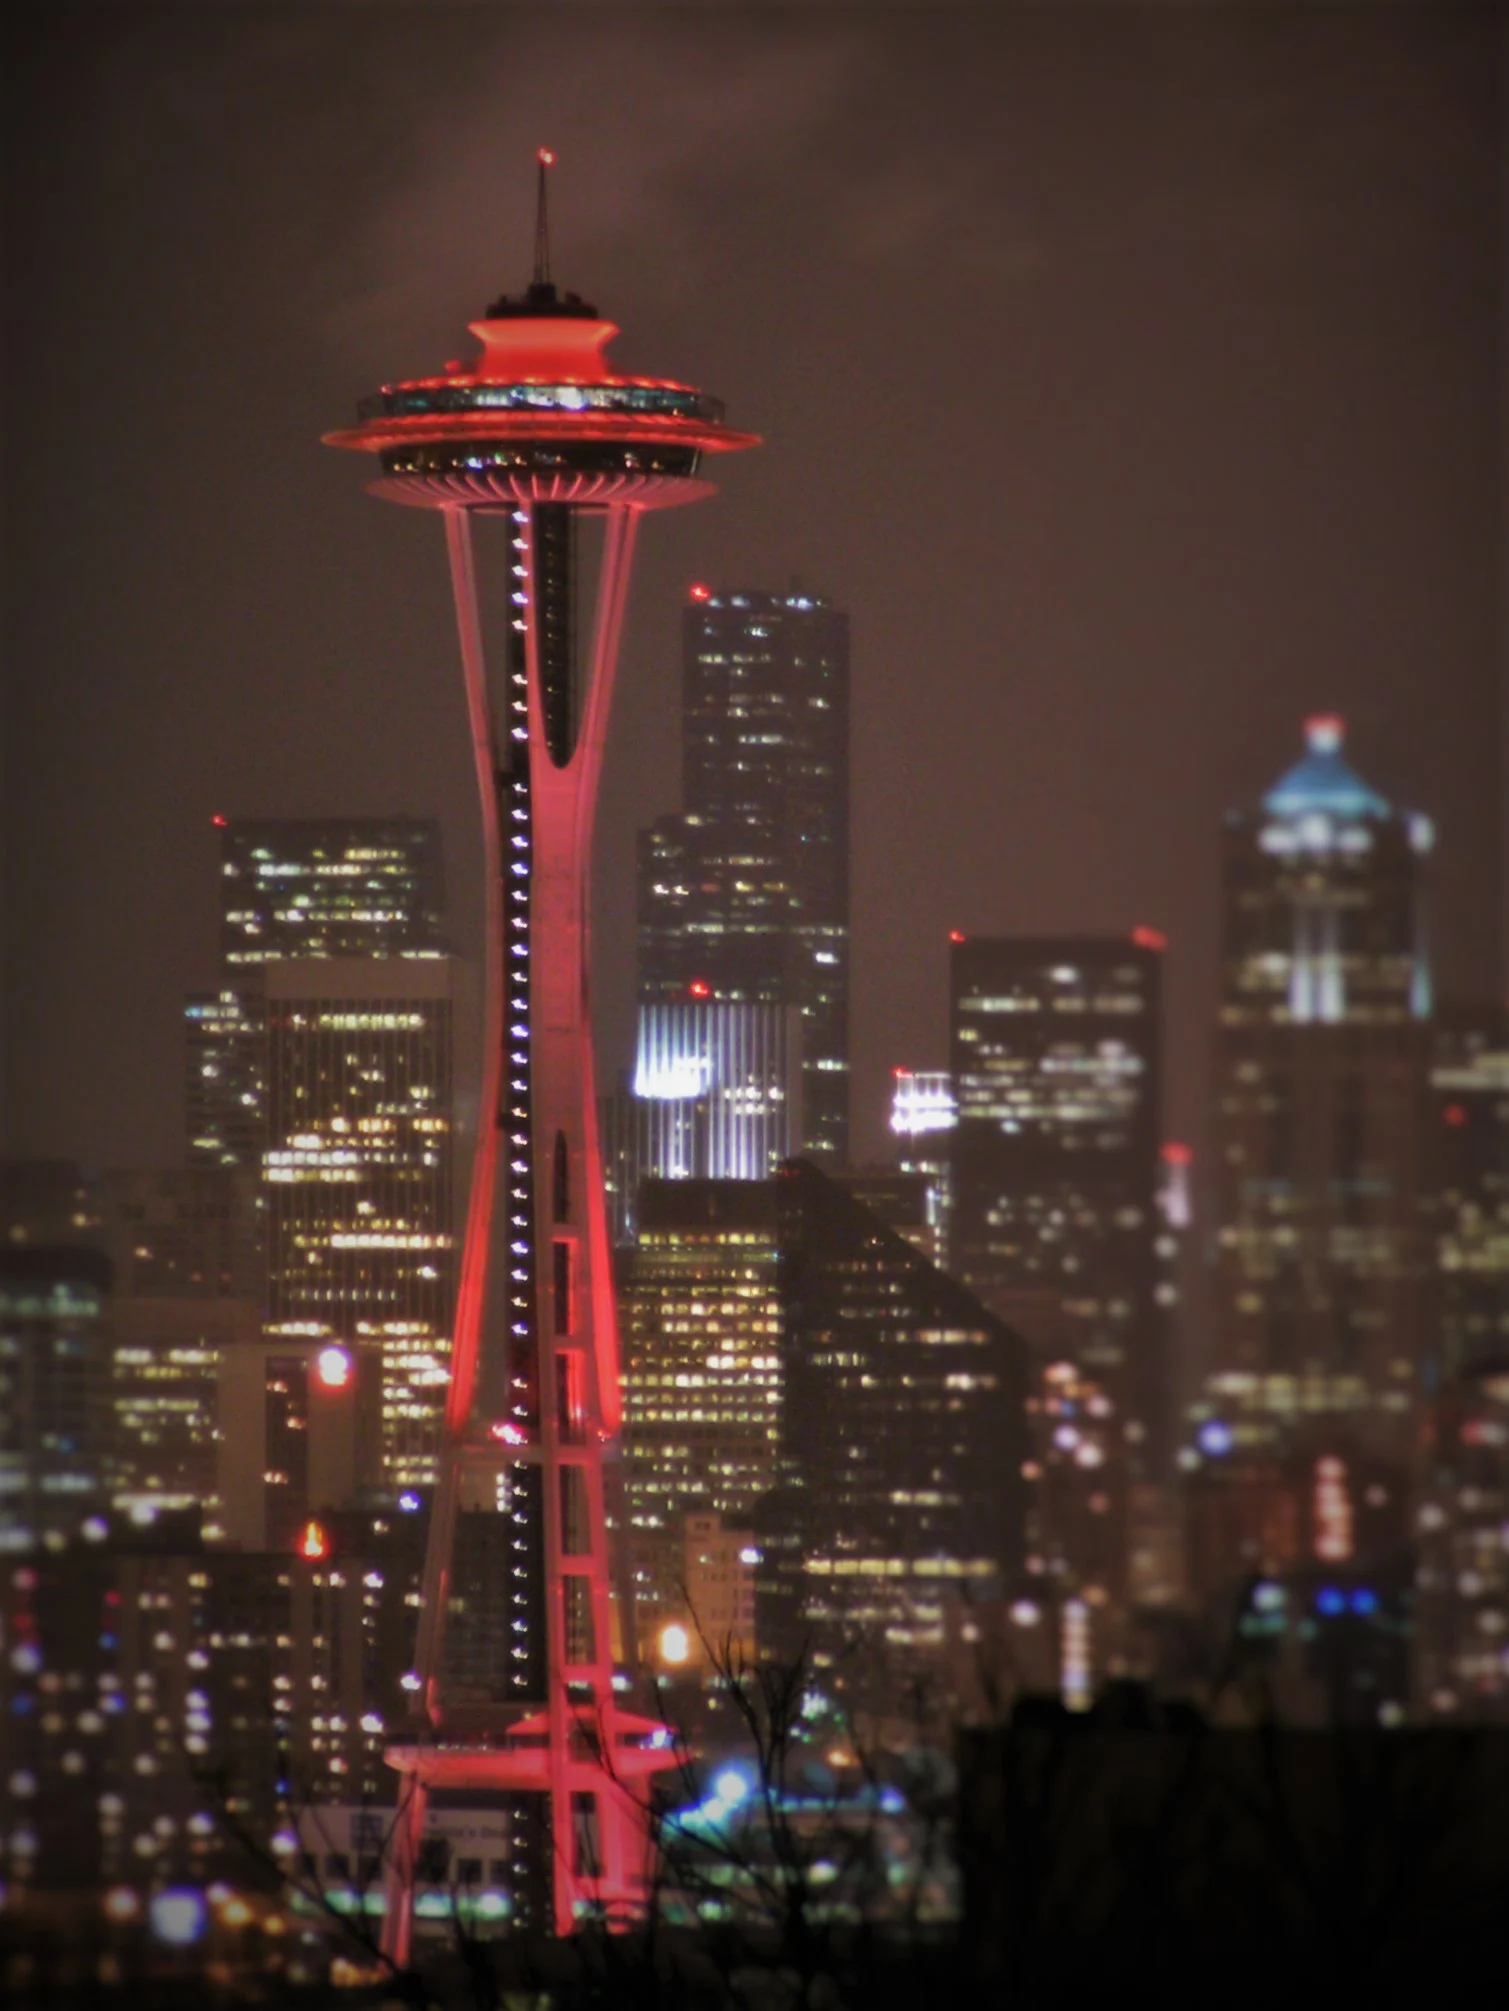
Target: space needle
x: 514, y: 1659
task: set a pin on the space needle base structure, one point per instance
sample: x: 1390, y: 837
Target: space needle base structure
x: 514, y: 1667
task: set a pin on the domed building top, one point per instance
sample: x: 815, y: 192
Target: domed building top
x: 1323, y: 781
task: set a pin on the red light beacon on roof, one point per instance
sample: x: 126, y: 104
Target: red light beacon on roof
x: 699, y: 592
x: 1149, y: 939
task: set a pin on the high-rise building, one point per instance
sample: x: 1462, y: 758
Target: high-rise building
x: 903, y: 1440
x: 794, y: 1364
x: 167, y: 1422
x: 1054, y: 1160
x: 330, y: 887
x: 357, y: 1178
x: 1462, y: 1591
x: 924, y: 1111
x: 715, y: 1094
x: 1303, y: 1442
x: 702, y: 1373
x: 298, y: 888
x: 1322, y: 1051
x: 1462, y: 1578
x: 745, y: 895
x: 54, y: 1391
x: 1322, y: 900
x: 721, y: 1087
x: 226, y: 1089
x: 1468, y: 1189
x: 904, y: 1201
x: 306, y: 1440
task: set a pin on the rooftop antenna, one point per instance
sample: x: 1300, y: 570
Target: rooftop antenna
x: 546, y: 160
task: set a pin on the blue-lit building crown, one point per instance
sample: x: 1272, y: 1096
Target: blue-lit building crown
x: 1323, y: 780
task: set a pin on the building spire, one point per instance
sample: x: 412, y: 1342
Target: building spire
x: 546, y: 160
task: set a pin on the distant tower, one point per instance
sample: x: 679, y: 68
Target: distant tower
x: 923, y: 1114
x: 538, y: 433
x: 1307, y: 1433
x: 745, y: 895
x: 297, y: 888
x: 1322, y: 1055
x: 1055, y: 1155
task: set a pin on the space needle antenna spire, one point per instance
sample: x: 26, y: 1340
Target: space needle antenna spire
x: 546, y: 160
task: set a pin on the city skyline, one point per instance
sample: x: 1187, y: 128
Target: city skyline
x: 926, y: 1183
x: 1084, y: 671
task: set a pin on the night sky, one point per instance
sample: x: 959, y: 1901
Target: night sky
x: 1134, y: 379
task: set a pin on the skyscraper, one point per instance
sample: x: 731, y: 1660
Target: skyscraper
x: 719, y: 1088
x: 167, y: 1420
x: 1468, y: 1189
x: 702, y: 1372
x: 1462, y: 1595
x: 226, y: 1088
x: 319, y: 1084
x: 745, y: 895
x: 54, y: 1391
x: 902, y: 1446
x: 1054, y: 1160
x: 357, y: 1177
x: 298, y: 888
x: 1322, y: 1052
x: 924, y: 1111
x: 330, y: 887
x: 1304, y: 1441
x: 794, y: 1362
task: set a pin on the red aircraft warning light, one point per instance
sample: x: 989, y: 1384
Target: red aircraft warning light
x: 699, y: 988
x: 537, y: 430
x: 956, y: 935
x: 699, y: 592
x: 1149, y: 939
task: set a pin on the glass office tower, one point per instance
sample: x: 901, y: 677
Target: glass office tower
x: 1322, y: 1055
x: 357, y: 1178
x: 1054, y: 1158
x: 745, y: 895
x: 298, y: 887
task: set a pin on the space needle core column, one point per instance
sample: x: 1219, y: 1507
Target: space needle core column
x: 513, y: 1676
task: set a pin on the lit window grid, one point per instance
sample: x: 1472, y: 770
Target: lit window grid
x: 295, y: 888
x: 357, y: 1190
x: 702, y: 1377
